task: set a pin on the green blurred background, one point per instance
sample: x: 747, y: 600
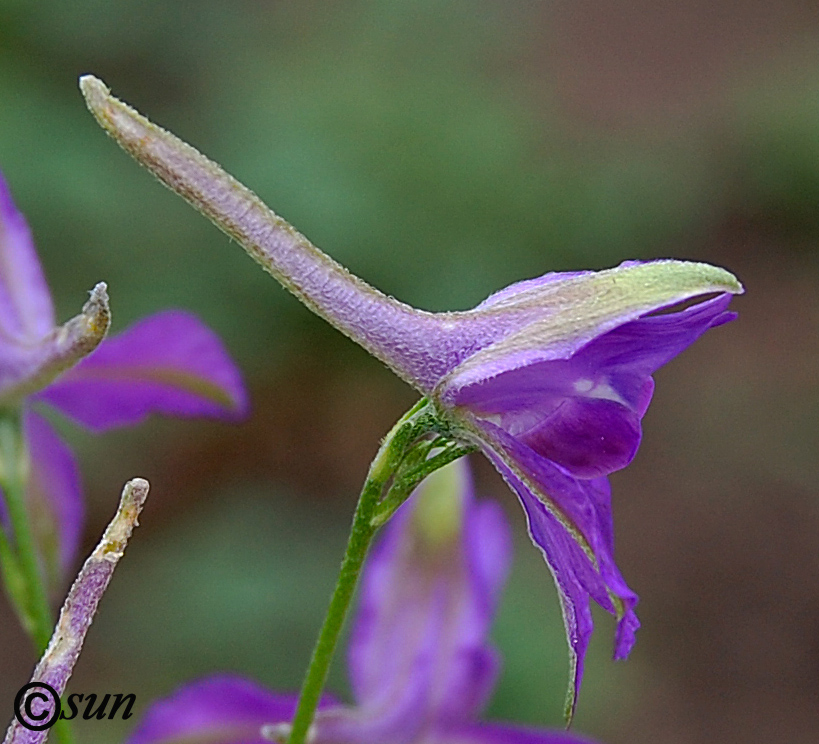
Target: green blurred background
x: 443, y: 150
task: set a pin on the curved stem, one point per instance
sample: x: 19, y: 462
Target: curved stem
x: 27, y: 590
x: 407, y: 430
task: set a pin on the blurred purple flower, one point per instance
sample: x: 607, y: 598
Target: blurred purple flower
x: 168, y: 363
x: 420, y: 665
x: 549, y: 377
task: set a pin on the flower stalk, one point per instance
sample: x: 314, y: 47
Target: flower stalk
x: 361, y: 536
x: 402, y: 462
x: 24, y: 578
x: 22, y: 573
x: 13, y: 581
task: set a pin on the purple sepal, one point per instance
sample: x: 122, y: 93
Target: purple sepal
x: 54, y: 494
x: 570, y: 521
x: 26, y: 310
x: 224, y: 709
x: 168, y: 363
x: 584, y: 412
x: 514, y: 293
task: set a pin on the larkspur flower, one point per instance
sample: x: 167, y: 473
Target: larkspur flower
x: 168, y: 363
x: 549, y: 377
x: 421, y: 667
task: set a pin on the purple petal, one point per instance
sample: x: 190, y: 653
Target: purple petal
x: 398, y: 721
x: 628, y: 355
x: 224, y: 709
x: 541, y: 406
x: 562, y: 331
x: 473, y: 670
x: 169, y: 363
x: 584, y: 412
x: 26, y: 311
x: 54, y: 494
x: 419, y: 652
x: 488, y: 733
x: 570, y: 522
x: 588, y: 437
x: 4, y: 513
x: 330, y: 731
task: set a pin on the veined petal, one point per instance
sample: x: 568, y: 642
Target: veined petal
x: 580, y: 307
x: 223, y: 709
x: 54, y: 494
x: 623, y: 359
x: 26, y: 310
x: 419, y: 653
x: 168, y: 363
x: 570, y: 521
x: 584, y: 412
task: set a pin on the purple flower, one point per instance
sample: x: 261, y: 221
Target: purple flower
x: 550, y: 377
x: 421, y: 668
x: 168, y: 363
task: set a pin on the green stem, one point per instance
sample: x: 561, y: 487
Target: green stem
x: 62, y: 732
x: 393, y: 449
x: 361, y: 536
x: 13, y: 476
x: 405, y: 482
x: 14, y: 583
x: 21, y: 571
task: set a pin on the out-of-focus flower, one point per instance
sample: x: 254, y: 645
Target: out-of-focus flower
x: 550, y: 377
x: 420, y: 664
x: 168, y: 363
